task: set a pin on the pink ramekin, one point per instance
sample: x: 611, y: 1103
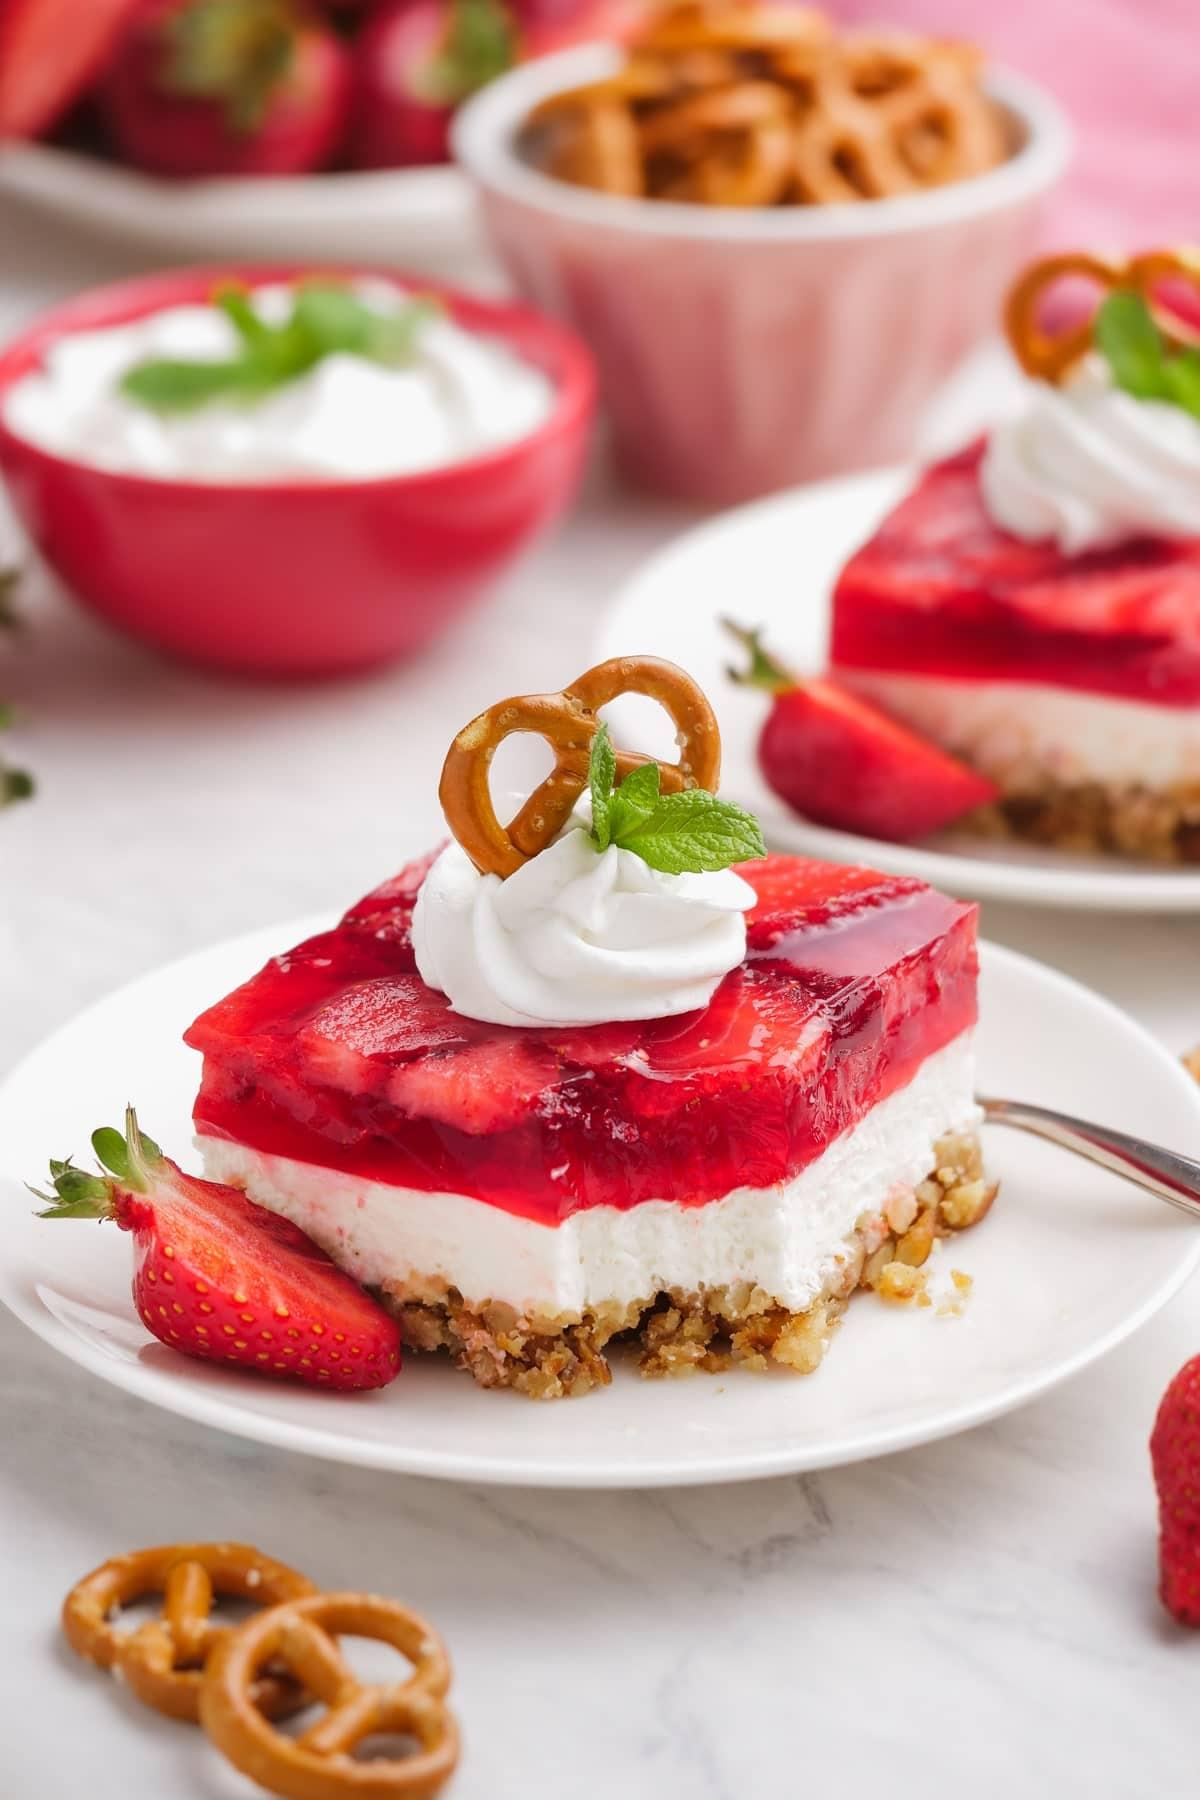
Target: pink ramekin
x: 291, y: 577
x: 741, y: 351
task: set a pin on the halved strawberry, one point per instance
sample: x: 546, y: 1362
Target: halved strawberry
x: 216, y: 1276
x: 842, y: 762
x: 50, y: 51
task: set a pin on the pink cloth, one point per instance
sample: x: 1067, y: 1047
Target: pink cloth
x: 1128, y: 74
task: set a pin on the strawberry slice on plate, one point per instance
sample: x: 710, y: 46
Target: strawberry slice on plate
x: 217, y: 1277
x: 50, y: 52
x: 842, y: 762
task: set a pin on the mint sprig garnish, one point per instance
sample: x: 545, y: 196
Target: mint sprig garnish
x: 15, y: 784
x: 326, y: 318
x: 1142, y: 359
x: 688, y: 833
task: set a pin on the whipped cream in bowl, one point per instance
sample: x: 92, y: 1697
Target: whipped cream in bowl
x: 456, y: 394
x: 1089, y: 465
x: 578, y: 935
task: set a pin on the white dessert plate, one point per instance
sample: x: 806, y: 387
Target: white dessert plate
x: 419, y: 219
x: 774, y: 564
x: 1069, y: 1262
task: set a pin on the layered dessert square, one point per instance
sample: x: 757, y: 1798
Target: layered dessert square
x: 1033, y: 607
x: 710, y: 1187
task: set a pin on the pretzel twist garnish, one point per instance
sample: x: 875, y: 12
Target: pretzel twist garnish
x: 733, y: 104
x: 568, y: 722
x: 161, y: 1661
x: 1051, y: 355
x: 301, y: 1636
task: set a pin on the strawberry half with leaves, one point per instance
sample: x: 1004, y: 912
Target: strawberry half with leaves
x: 227, y: 87
x: 218, y: 1277
x: 1175, y: 1454
x: 842, y: 762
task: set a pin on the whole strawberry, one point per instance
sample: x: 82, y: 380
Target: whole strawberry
x: 226, y: 87
x: 1175, y: 1454
x: 218, y: 1277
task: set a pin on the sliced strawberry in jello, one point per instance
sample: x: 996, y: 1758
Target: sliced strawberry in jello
x: 386, y: 913
x: 488, y: 1087
x: 338, y: 1055
x: 940, y: 590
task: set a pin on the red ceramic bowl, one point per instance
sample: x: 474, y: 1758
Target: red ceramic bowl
x: 295, y: 577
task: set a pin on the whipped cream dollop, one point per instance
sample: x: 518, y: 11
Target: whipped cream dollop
x: 347, y: 419
x: 1090, y: 465
x: 577, y: 936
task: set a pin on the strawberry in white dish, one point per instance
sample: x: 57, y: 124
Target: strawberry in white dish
x: 415, y: 62
x: 50, y: 52
x: 226, y: 87
x: 611, y: 1072
x: 219, y: 1278
x: 1034, y: 605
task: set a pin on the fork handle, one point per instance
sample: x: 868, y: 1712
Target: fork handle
x: 1173, y: 1177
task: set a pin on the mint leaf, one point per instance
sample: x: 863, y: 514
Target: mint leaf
x: 602, y: 772
x: 634, y: 800
x: 170, y: 385
x: 1141, y: 356
x: 236, y: 304
x: 1132, y: 345
x: 15, y: 784
x: 331, y: 317
x: 1182, y: 375
x: 327, y: 319
x: 693, y: 833
x: 394, y: 338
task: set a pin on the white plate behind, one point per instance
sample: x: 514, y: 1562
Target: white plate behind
x: 1069, y: 1263
x: 419, y: 219
x: 774, y: 564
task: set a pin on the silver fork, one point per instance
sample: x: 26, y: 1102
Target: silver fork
x: 1173, y: 1177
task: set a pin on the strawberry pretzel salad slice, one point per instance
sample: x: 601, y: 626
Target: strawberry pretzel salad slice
x: 610, y: 1072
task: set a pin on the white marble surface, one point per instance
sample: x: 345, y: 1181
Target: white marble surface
x: 978, y: 1616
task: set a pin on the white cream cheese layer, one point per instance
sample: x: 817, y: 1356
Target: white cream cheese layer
x: 347, y: 419
x: 787, y: 1239
x: 1015, y: 731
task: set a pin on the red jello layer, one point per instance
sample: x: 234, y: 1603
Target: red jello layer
x: 940, y: 590
x: 338, y: 1054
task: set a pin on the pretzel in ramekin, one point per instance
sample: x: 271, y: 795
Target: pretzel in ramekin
x: 734, y: 104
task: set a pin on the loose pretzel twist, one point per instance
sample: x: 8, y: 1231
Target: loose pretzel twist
x: 161, y: 1661
x: 1049, y: 354
x: 568, y: 722
x: 301, y: 1636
